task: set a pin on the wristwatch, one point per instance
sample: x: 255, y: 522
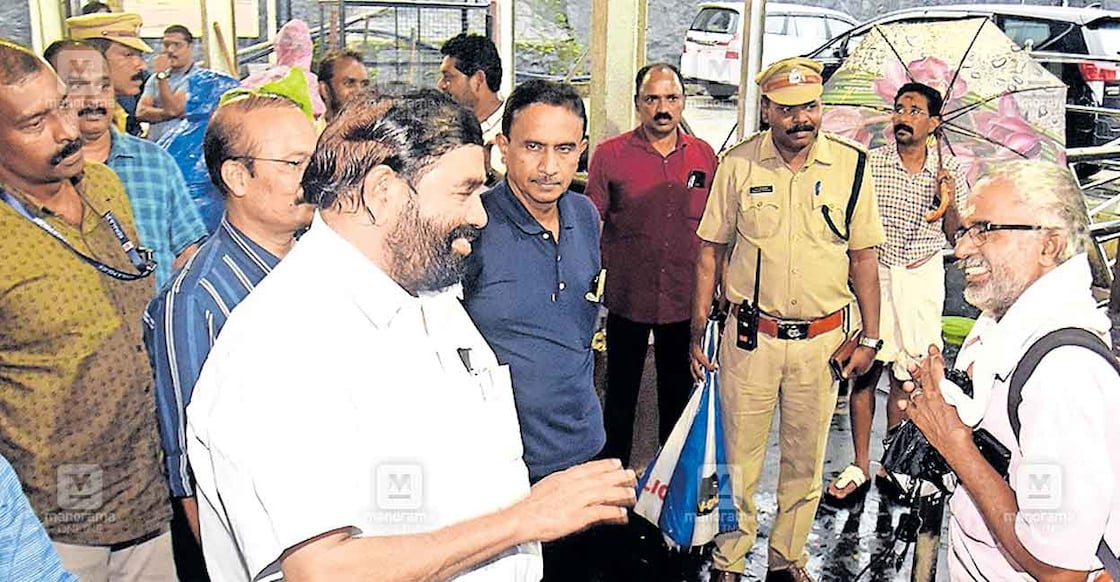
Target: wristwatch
x: 870, y: 342
x: 163, y: 75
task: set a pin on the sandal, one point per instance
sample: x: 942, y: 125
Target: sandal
x: 850, y: 485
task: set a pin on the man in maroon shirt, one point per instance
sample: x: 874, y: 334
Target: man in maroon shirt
x: 650, y: 186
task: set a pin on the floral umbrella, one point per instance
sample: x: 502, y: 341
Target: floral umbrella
x: 1000, y: 104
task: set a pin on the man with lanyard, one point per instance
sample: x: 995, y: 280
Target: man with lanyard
x: 798, y: 207
x: 471, y: 73
x: 165, y: 94
x: 399, y: 456
x: 256, y: 146
x: 117, y: 36
x: 650, y: 186
x: 1051, y: 510
x: 166, y: 217
x: 908, y: 178
x: 75, y: 384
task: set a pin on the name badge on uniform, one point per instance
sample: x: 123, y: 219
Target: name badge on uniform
x: 767, y: 189
x: 696, y: 179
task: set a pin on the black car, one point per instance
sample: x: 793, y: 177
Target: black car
x: 1080, y: 46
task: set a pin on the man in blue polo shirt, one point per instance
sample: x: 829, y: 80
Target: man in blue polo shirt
x: 526, y: 290
x: 256, y: 147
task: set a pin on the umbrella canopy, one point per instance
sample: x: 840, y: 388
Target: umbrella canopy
x: 1000, y: 104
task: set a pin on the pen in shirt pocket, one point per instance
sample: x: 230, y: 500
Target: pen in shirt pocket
x: 595, y: 294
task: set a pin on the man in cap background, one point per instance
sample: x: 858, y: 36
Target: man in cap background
x: 781, y: 199
x: 117, y: 36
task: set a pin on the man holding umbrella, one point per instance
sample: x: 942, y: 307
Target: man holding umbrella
x: 798, y: 208
x: 909, y: 180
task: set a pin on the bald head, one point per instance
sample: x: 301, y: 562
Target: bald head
x: 17, y: 63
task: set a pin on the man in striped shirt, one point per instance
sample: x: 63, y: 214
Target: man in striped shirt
x: 256, y: 147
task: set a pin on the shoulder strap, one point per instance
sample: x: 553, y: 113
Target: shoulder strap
x: 1067, y: 336
x: 861, y: 163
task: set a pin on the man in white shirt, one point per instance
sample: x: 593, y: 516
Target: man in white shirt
x: 351, y: 422
x: 1022, y: 249
x: 471, y: 73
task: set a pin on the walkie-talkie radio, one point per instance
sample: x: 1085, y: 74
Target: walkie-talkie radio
x: 746, y: 330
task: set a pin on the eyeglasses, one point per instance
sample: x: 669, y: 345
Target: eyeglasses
x: 912, y: 112
x: 979, y: 231
x: 293, y: 165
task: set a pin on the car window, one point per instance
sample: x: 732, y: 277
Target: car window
x: 836, y: 27
x: 775, y: 24
x: 717, y: 20
x: 1044, y: 35
x: 808, y: 27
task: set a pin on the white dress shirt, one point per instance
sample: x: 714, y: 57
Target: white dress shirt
x: 335, y: 399
x: 1065, y: 469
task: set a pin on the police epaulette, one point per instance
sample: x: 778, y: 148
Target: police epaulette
x: 746, y: 139
x: 844, y: 141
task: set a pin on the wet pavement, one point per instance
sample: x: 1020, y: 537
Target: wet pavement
x: 843, y: 542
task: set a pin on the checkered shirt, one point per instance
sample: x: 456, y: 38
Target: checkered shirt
x: 167, y: 220
x: 904, y: 199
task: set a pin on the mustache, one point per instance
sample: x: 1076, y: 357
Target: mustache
x: 465, y: 231
x: 661, y: 116
x: 91, y: 110
x: 802, y: 127
x: 67, y: 150
x: 972, y: 262
x: 138, y: 77
x: 902, y: 126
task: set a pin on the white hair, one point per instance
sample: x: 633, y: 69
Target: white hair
x: 1051, y: 191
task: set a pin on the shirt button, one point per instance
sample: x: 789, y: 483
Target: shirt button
x: 557, y: 258
x: 545, y: 236
x: 793, y: 302
x: 563, y: 285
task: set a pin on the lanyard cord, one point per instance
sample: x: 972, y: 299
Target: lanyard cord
x: 139, y: 257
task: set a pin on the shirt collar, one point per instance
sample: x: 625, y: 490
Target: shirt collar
x: 119, y: 145
x: 509, y: 205
x: 930, y: 165
x: 819, y: 152
x: 639, y: 139
x: 256, y: 254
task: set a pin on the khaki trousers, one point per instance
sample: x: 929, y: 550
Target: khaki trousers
x: 151, y: 561
x: 792, y: 375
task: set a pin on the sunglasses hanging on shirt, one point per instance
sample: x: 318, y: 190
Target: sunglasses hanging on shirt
x: 141, y: 258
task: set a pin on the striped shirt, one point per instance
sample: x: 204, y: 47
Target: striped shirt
x: 183, y: 321
x: 26, y: 552
x: 904, y: 198
x: 167, y: 220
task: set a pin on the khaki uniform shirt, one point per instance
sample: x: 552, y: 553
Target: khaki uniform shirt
x: 758, y: 203
x: 77, y: 414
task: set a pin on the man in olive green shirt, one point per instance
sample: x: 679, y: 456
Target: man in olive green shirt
x: 77, y: 416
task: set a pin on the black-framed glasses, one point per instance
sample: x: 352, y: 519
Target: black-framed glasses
x: 979, y: 231
x: 911, y: 112
x: 293, y: 165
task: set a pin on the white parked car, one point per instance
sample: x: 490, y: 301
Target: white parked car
x: 714, y: 40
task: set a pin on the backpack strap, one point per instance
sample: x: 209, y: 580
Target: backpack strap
x: 1068, y: 336
x: 861, y: 163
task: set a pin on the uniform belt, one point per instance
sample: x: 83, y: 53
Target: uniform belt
x: 789, y: 329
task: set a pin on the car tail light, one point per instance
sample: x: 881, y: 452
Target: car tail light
x: 732, y: 53
x: 1093, y: 72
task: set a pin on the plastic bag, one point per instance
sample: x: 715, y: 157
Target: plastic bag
x: 686, y: 489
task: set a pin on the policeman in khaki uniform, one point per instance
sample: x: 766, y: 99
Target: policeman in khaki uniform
x: 782, y: 195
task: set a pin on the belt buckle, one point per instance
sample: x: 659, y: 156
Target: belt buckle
x: 793, y: 330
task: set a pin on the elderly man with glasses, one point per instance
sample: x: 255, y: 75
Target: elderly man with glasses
x: 257, y: 146
x: 908, y: 176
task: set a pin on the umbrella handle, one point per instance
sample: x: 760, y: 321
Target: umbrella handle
x: 945, y: 190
